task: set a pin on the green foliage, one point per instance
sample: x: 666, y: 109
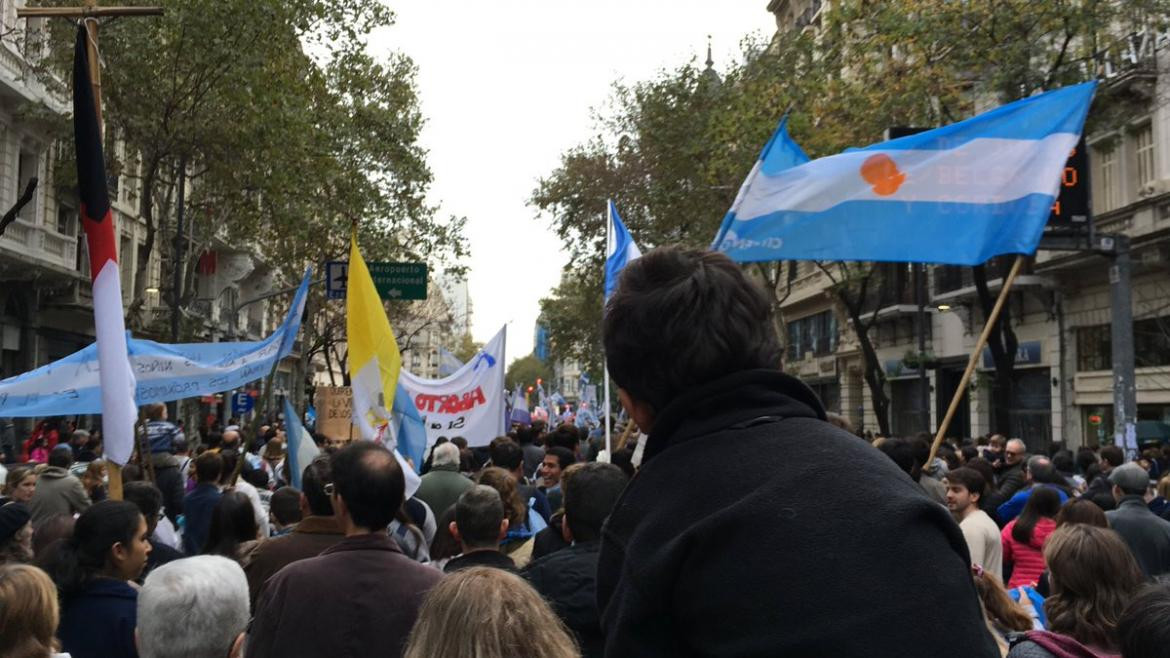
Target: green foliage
x: 526, y: 370
x: 466, y: 348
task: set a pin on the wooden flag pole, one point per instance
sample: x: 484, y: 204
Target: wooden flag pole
x: 93, y: 12
x: 976, y: 353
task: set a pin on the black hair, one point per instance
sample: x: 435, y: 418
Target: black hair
x: 902, y: 454
x: 525, y: 435
x: 969, y: 478
x: 478, y: 515
x: 1063, y: 461
x: 82, y: 557
x: 62, y: 458
x: 444, y: 544
x: 985, y: 469
x: 1043, y: 502
x: 147, y: 497
x: 624, y: 459
x: 506, y: 453
x: 1085, y: 458
x: 590, y: 496
x: 1113, y: 454
x: 233, y: 522
x: 969, y: 453
x: 681, y: 318
x: 208, y: 467
x: 1144, y: 627
x: 286, y: 505
x: 566, y: 436
x: 564, y: 456
x: 369, y: 481
x: 1042, y: 470
x: 313, y: 480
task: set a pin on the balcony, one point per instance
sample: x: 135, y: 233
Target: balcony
x: 40, y: 243
x: 955, y: 283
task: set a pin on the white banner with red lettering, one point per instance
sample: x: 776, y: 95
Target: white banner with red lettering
x: 470, y: 403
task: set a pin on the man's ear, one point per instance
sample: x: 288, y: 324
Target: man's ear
x: 503, y: 530
x: 454, y: 529
x: 566, y: 532
x: 237, y: 650
x: 339, y: 508
x: 641, y: 412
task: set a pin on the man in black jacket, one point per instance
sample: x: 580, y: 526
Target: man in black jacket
x: 738, y: 536
x: 567, y: 579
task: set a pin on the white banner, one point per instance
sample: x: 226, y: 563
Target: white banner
x: 470, y: 403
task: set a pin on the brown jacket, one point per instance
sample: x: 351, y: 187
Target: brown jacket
x: 357, y: 599
x: 311, y: 536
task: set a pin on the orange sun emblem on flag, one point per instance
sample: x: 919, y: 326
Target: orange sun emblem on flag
x: 882, y: 173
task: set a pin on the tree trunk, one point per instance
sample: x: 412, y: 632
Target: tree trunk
x: 875, y: 377
x: 1003, y: 344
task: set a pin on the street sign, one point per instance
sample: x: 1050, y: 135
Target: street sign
x: 336, y: 275
x: 394, y: 281
x: 242, y: 403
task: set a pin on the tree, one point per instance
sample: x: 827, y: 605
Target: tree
x: 526, y: 370
x: 286, y: 128
x: 466, y: 348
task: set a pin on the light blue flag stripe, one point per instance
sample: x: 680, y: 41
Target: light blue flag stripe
x: 164, y: 372
x: 301, y: 447
x: 412, y: 433
x: 959, y: 194
x: 619, y: 252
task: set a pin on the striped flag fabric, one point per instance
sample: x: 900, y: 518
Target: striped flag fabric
x: 115, y: 375
x: 957, y: 195
x: 619, y: 249
x: 301, y: 447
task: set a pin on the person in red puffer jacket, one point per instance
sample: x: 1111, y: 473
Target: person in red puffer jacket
x: 1023, y: 539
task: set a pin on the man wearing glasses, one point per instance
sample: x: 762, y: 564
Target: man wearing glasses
x: 1011, y: 475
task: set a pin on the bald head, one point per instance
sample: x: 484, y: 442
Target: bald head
x: 369, y: 482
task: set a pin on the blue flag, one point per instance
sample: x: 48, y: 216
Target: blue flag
x: 959, y: 194
x: 619, y: 250
x: 301, y: 447
x: 412, y: 433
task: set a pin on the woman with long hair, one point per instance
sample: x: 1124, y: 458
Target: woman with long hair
x: 92, y: 570
x: 19, y: 485
x: 1003, y: 615
x: 483, y: 612
x: 523, y: 523
x: 1023, y: 538
x: 1093, y: 577
x: 28, y: 612
x: 234, y: 532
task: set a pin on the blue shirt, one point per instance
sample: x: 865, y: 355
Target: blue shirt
x: 161, y: 434
x: 1012, y: 508
x: 99, y: 621
x: 197, y: 508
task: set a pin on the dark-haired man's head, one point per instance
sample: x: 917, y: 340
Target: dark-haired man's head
x: 61, y: 456
x: 902, y: 454
x: 508, y: 455
x: 1144, y: 627
x: 208, y: 467
x: 368, y: 487
x: 965, y: 486
x: 566, y: 436
x: 148, y: 498
x: 1111, y: 458
x: 556, y: 460
x: 285, y: 507
x: 480, y: 522
x: 314, y: 500
x: 1063, y: 463
x: 589, y: 498
x: 674, y: 301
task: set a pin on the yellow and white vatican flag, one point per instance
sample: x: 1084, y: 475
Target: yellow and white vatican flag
x: 374, y: 360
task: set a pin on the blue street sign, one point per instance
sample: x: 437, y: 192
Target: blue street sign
x: 336, y: 275
x: 241, y: 403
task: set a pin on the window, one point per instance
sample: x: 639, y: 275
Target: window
x: 815, y: 333
x: 65, y: 220
x: 1108, y: 179
x: 1144, y: 149
x: 1094, y: 349
x: 27, y: 168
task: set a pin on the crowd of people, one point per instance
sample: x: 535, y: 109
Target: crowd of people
x: 740, y: 519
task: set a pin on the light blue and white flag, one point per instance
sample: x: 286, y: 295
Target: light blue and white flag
x: 301, y: 447
x: 959, y: 194
x: 448, y: 363
x: 164, y: 372
x: 410, y: 433
x: 619, y: 250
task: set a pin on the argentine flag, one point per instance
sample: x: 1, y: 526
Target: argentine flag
x: 957, y: 195
x: 619, y: 250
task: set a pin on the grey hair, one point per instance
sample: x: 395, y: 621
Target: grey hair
x: 192, y: 608
x: 1018, y: 442
x: 447, y: 453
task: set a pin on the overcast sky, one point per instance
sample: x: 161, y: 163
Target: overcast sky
x: 507, y: 86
